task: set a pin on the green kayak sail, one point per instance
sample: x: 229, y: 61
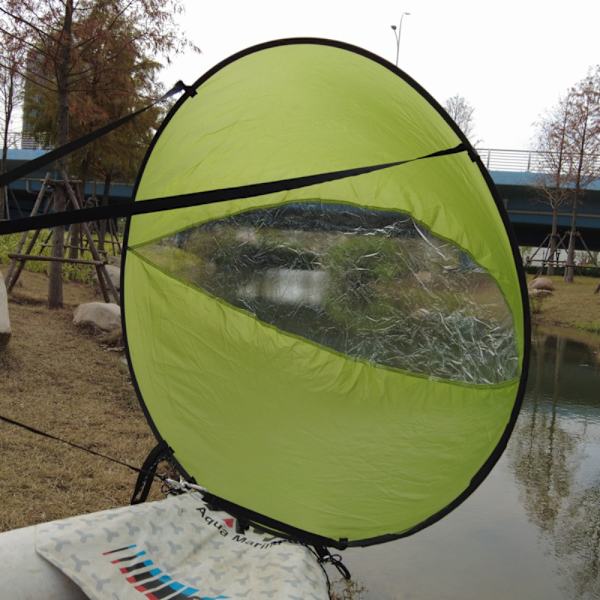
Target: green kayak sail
x: 341, y: 357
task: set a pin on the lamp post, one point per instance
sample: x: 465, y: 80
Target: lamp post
x: 397, y: 33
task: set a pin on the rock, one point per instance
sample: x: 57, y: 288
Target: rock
x: 539, y: 293
x: 5, y: 330
x: 113, y: 338
x: 541, y: 283
x: 99, y: 315
x: 114, y: 274
x: 114, y: 260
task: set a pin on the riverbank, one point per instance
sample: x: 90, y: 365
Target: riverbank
x: 570, y: 306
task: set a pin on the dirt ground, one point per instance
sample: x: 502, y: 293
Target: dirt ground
x: 61, y: 380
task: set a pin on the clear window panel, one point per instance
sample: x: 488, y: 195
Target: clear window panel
x: 373, y: 285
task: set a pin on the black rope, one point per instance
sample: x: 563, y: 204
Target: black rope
x: 147, y: 473
x: 73, y: 445
x: 130, y: 208
x: 84, y: 140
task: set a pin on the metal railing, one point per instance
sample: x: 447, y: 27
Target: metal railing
x: 532, y: 161
x: 495, y: 159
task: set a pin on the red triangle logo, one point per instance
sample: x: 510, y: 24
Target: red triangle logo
x: 228, y: 522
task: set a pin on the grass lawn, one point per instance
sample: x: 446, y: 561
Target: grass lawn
x: 61, y: 380
x: 572, y: 305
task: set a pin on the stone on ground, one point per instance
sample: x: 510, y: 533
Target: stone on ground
x: 539, y: 293
x: 5, y: 330
x: 542, y: 283
x: 100, y: 315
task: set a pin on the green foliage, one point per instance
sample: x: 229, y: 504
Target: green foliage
x: 591, y: 326
x: 114, y: 55
x: 226, y: 249
x: 71, y: 272
x: 216, y: 244
x: 175, y: 261
x: 366, y: 275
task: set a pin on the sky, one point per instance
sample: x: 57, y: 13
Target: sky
x: 511, y: 60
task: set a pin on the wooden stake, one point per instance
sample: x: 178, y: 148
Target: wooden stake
x: 103, y: 278
x: 36, y: 207
x: 75, y: 261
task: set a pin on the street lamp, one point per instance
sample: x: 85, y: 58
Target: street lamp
x: 398, y: 33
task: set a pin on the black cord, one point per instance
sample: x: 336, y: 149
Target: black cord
x: 77, y: 446
x: 84, y: 140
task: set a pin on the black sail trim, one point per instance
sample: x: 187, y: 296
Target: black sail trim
x: 53, y: 155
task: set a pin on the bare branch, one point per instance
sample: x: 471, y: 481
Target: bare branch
x: 26, y: 22
x: 32, y: 79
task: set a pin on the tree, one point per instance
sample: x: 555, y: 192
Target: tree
x: 82, y: 56
x: 11, y: 88
x: 551, y: 141
x: 583, y: 135
x: 117, y: 79
x: 462, y: 114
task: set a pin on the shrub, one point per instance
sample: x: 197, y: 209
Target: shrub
x: 71, y: 272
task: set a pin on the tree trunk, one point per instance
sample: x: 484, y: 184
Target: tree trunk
x: 104, y: 202
x: 3, y: 199
x: 74, y: 240
x: 55, y: 295
x: 4, y: 190
x: 8, y: 108
x: 570, y: 268
x: 55, y: 287
x: 553, y: 242
x: 75, y: 229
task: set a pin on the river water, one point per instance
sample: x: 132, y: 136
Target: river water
x: 532, y: 529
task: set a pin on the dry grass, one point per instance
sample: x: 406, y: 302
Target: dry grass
x: 60, y: 380
x: 571, y: 305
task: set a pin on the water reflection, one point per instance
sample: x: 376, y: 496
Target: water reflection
x: 532, y: 530
x: 297, y: 287
x: 542, y: 449
x: 554, y: 457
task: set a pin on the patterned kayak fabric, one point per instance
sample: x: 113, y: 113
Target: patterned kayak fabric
x: 177, y: 549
